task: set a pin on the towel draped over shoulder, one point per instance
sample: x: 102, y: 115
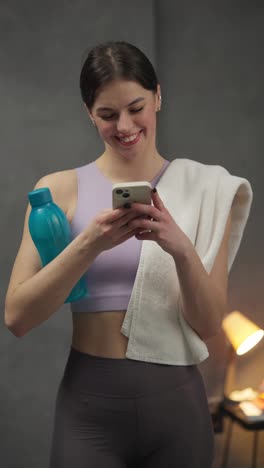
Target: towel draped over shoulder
x: 199, y: 197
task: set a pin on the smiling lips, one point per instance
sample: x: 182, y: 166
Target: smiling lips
x: 131, y: 140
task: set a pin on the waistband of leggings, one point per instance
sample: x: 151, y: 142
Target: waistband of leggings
x: 120, y: 377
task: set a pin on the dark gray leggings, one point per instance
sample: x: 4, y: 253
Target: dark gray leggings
x: 118, y: 413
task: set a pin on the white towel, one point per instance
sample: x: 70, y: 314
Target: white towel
x: 199, y: 197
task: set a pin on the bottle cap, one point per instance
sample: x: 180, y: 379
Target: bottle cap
x: 40, y: 196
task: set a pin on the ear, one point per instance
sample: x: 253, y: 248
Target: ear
x: 158, y: 98
x: 87, y: 110
x: 89, y: 113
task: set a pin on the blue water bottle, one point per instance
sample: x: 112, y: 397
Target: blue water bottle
x: 51, y: 233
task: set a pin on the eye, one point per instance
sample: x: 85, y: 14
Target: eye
x: 112, y: 116
x: 136, y: 110
x: 107, y: 117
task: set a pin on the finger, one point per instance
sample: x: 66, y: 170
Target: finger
x: 150, y: 211
x: 110, y: 216
x: 144, y: 224
x: 128, y: 234
x: 145, y: 236
x: 125, y: 219
x: 158, y: 203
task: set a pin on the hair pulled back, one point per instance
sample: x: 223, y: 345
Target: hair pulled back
x: 115, y: 60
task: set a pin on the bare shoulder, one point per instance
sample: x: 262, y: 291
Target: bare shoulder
x: 63, y: 186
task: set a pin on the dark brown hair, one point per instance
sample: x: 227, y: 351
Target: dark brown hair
x: 115, y: 60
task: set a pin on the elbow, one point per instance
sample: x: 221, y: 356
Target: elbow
x: 14, y: 328
x: 16, y: 331
x: 212, y: 328
x: 13, y: 325
x: 206, y: 332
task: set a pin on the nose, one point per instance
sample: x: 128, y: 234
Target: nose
x: 124, y: 123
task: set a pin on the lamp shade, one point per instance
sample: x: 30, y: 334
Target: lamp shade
x: 241, y: 332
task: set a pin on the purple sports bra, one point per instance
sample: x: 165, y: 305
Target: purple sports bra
x: 110, y: 278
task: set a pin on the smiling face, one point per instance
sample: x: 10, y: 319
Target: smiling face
x: 125, y: 116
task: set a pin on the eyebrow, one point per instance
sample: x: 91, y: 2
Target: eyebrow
x: 130, y: 104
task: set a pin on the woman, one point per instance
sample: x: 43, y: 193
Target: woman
x: 112, y: 411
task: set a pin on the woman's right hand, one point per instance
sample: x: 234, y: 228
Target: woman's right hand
x: 109, y: 228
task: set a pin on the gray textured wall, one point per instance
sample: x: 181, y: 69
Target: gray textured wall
x: 209, y: 59
x: 210, y: 63
x: 45, y: 130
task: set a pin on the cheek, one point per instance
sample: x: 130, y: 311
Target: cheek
x: 150, y: 119
x: 105, y: 131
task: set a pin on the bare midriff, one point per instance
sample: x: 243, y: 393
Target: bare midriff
x: 98, y: 333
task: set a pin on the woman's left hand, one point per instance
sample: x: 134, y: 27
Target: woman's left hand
x: 163, y: 228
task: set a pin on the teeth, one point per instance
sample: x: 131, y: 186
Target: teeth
x: 127, y: 140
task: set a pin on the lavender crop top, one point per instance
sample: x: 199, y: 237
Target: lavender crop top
x: 110, y: 278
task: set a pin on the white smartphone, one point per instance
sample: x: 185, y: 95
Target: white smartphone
x: 131, y: 192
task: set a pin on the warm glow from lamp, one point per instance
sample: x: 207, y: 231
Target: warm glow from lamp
x: 241, y: 332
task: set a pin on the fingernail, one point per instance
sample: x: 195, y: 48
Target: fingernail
x: 127, y: 205
x: 154, y: 190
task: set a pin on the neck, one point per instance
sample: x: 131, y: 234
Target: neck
x: 139, y: 168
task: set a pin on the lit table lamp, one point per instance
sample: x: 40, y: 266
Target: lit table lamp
x: 243, y: 336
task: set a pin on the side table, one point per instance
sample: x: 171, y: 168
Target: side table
x: 231, y: 410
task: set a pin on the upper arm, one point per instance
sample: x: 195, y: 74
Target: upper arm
x: 27, y: 262
x: 219, y: 272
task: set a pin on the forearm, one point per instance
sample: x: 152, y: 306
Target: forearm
x: 204, y: 304
x: 36, y: 299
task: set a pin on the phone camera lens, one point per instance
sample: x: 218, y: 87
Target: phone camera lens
x: 119, y: 191
x: 125, y: 195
